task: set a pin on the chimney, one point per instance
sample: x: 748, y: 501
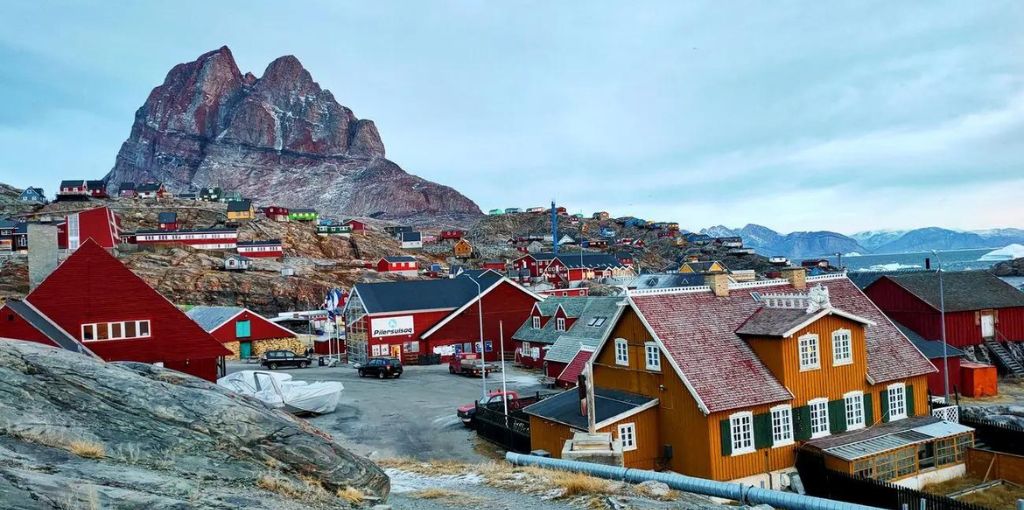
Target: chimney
x: 42, y: 253
x: 797, y: 277
x: 719, y: 283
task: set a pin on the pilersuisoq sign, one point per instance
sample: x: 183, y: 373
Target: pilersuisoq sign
x: 392, y: 326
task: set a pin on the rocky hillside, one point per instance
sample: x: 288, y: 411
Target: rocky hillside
x: 194, y: 277
x: 76, y: 432
x: 10, y: 205
x: 279, y: 138
x: 1013, y: 267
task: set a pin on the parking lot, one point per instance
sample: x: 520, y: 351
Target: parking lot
x: 413, y: 416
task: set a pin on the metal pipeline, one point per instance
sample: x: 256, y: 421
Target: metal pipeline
x: 743, y: 494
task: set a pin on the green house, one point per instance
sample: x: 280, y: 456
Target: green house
x: 496, y: 212
x: 303, y: 215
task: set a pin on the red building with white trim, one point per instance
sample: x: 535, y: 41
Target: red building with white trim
x: 99, y: 224
x: 979, y: 305
x: 270, y: 248
x: 417, y: 318
x: 244, y: 331
x: 200, y: 239
x: 83, y: 304
x: 403, y: 265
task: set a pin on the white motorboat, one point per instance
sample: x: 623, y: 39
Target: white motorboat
x: 279, y: 390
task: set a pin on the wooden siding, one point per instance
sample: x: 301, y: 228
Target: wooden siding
x: 551, y: 436
x: 695, y: 438
x: 504, y: 308
x: 962, y: 328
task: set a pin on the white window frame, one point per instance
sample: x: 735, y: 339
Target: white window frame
x: 892, y: 390
x: 811, y: 340
x: 741, y: 432
x: 536, y: 322
x: 652, y: 356
x: 621, y: 352
x: 783, y: 434
x: 837, y: 335
x: 627, y: 431
x: 559, y: 324
x: 525, y: 347
x: 853, y: 404
x: 94, y: 328
x: 821, y: 403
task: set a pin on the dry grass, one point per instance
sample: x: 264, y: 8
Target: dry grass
x: 427, y: 468
x: 449, y: 497
x: 351, y: 494
x: 87, y: 449
x: 280, y: 485
x: 579, y: 484
x: 997, y: 498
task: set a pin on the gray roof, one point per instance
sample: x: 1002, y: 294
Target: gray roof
x: 589, y: 260
x: 963, y: 290
x: 167, y: 217
x: 564, y: 408
x: 932, y: 349
x: 665, y: 280
x: 210, y: 317
x: 410, y: 236
x: 886, y: 437
x: 587, y: 310
x: 148, y: 186
x: 400, y: 258
x: 772, y: 321
x: 45, y: 326
x: 239, y: 205
x: 864, y: 278
x: 411, y: 295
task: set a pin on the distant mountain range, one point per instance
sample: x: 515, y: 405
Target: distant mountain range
x: 823, y: 243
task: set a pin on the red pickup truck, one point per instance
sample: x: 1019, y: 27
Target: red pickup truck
x: 466, y: 412
x: 471, y: 364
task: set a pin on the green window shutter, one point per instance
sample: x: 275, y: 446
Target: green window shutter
x: 242, y: 329
x: 910, y: 400
x: 883, y: 404
x: 762, y: 430
x: 869, y: 411
x: 726, y: 437
x: 802, y: 423
x: 837, y: 416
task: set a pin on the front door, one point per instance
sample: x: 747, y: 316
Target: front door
x: 245, y: 350
x: 988, y: 325
x: 396, y: 351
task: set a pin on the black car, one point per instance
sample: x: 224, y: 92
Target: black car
x: 381, y: 368
x: 275, y: 359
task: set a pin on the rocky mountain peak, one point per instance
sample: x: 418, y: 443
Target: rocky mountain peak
x: 279, y: 138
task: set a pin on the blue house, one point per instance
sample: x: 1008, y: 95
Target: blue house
x: 33, y: 195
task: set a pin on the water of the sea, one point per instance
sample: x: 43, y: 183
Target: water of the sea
x: 951, y: 260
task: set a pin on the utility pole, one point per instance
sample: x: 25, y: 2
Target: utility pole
x: 942, y: 317
x: 480, y: 313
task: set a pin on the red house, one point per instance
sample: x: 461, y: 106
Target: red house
x: 96, y: 189
x: 99, y: 224
x: 535, y: 262
x: 243, y: 331
x: 412, y: 319
x: 453, y: 234
x: 270, y: 248
x: 168, y: 221
x: 403, y: 265
x: 356, y: 225
x: 494, y: 265
x: 979, y: 305
x: 82, y: 306
x: 276, y: 213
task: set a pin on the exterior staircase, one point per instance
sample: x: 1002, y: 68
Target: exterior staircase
x: 1003, y: 357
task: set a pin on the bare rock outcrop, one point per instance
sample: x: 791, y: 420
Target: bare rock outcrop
x: 76, y: 432
x: 279, y: 138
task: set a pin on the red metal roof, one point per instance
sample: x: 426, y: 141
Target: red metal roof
x: 698, y: 330
x: 571, y: 373
x: 91, y: 287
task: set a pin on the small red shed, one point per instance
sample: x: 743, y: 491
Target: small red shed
x: 243, y: 331
x: 356, y: 225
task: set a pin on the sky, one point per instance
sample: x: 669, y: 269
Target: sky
x: 795, y: 115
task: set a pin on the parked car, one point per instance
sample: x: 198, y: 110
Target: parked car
x: 470, y: 364
x: 277, y: 359
x: 381, y: 368
x: 466, y: 412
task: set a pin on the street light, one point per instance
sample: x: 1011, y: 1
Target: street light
x: 480, y: 313
x: 942, y: 317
